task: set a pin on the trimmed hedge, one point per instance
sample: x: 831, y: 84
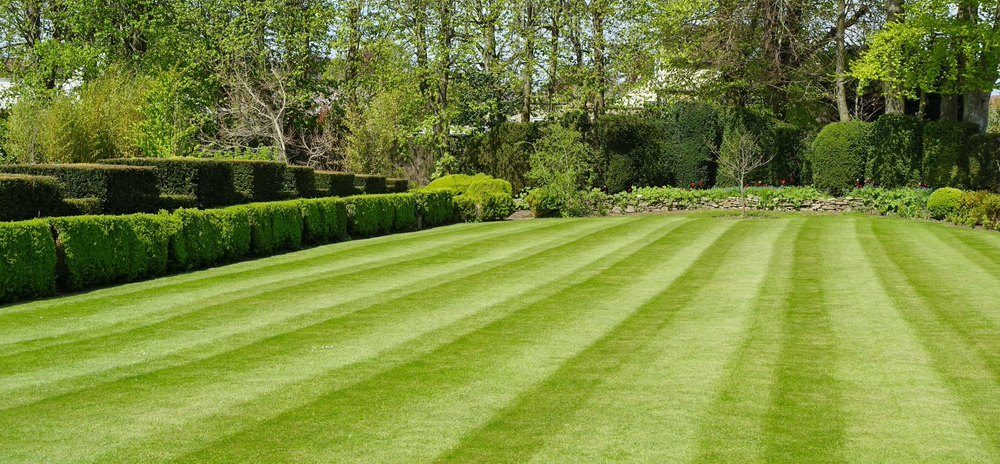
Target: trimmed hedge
x: 324, y: 220
x: 301, y: 180
x: 121, y: 189
x: 99, y: 250
x: 256, y: 180
x: 838, y: 156
x: 504, y: 152
x: 397, y: 185
x: 634, y: 150
x: 983, y: 156
x: 945, y: 153
x: 25, y: 197
x: 274, y: 226
x: 81, y: 207
x: 370, y: 184
x: 492, y: 198
x: 211, y: 236
x: 944, y: 202
x: 404, y: 212
x: 209, y: 180
x: 371, y: 214
x: 335, y: 184
x: 895, y: 145
x: 695, y: 125
x: 434, y: 206
x: 27, y: 260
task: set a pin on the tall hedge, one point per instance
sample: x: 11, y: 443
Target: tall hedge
x: 120, y: 189
x: 100, y: 250
x: 838, y: 156
x: 27, y: 260
x: 257, y: 180
x: 324, y: 220
x: 946, y: 153
x: 335, y: 184
x: 214, y: 235
x: 895, y: 146
x: 783, y: 140
x: 396, y: 185
x: 371, y: 184
x: 635, y: 151
x: 25, y: 197
x: 983, y: 158
x: 301, y: 180
x: 504, y: 152
x: 210, y: 181
x: 695, y: 125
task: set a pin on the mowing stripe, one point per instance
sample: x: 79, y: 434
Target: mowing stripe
x: 600, y: 403
x: 733, y: 430
x: 950, y: 329
x: 455, y: 387
x: 806, y: 421
x: 898, y: 407
x: 264, y: 353
x: 119, y: 354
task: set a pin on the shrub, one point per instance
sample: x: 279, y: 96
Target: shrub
x: 27, y: 260
x: 481, y: 187
x: 465, y: 209
x: 944, y: 202
x: 121, y: 189
x: 457, y: 183
x: 544, y: 203
x: 404, y: 211
x: 983, y: 156
x: 25, y: 197
x: 214, y: 235
x: 258, y: 180
x: 903, y: 202
x: 398, y: 185
x: 324, y: 220
x: 172, y: 202
x: 635, y: 149
x: 492, y: 198
x: 434, y: 206
x: 895, y: 146
x: 838, y: 156
x: 81, y: 207
x: 620, y: 173
x: 505, y: 151
x: 696, y: 124
x: 209, y: 180
x: 370, y: 214
x: 370, y: 184
x: 98, y: 250
x: 945, y: 153
x: 274, y: 226
x: 335, y: 184
x: 301, y: 180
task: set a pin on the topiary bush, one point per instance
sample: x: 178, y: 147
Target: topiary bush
x: 946, y: 153
x: 837, y: 156
x: 457, y: 183
x: 27, y: 260
x: 100, y: 250
x: 404, y: 211
x: 397, y: 185
x: 895, y: 151
x: 26, y: 197
x: 944, y: 202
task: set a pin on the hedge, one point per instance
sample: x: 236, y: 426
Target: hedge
x: 324, y: 220
x: 695, y: 125
x: 120, y: 189
x: 211, y: 236
x: 81, y: 207
x: 397, y: 185
x: 895, y: 146
x: 25, y: 197
x: 983, y: 155
x: 504, y: 152
x: 371, y: 214
x: 945, y: 153
x: 635, y: 151
x: 256, y: 180
x: 335, y: 184
x: 210, y: 181
x: 274, y: 226
x: 99, y: 250
x: 404, y: 211
x: 370, y: 184
x: 27, y: 260
x: 838, y: 156
x: 492, y: 198
x: 434, y: 206
x: 301, y: 180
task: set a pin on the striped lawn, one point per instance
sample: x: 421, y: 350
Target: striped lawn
x: 681, y: 338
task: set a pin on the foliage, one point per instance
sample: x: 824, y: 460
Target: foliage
x: 397, y: 185
x: 209, y: 180
x: 838, y: 156
x: 561, y: 162
x: 945, y: 153
x: 99, y: 250
x: 634, y: 148
x: 25, y: 197
x: 895, y: 144
x: 944, y: 202
x: 257, y: 180
x: 739, y: 155
x: 301, y: 180
x: 434, y: 206
x: 371, y: 214
x: 324, y: 220
x: 544, y: 202
x: 335, y: 184
x: 274, y: 226
x: 212, y: 236
x: 696, y: 126
x: 372, y: 184
x: 121, y: 189
x: 902, y: 202
x: 504, y: 152
x: 27, y: 260
x: 984, y: 162
x: 457, y: 183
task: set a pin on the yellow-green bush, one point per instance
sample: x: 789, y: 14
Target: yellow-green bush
x: 324, y: 220
x: 944, y: 202
x: 27, y: 260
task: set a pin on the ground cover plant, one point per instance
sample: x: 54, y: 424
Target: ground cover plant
x: 667, y: 338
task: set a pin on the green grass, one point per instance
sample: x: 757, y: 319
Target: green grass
x: 680, y: 338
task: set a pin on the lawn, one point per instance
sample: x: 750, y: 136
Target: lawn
x: 678, y: 338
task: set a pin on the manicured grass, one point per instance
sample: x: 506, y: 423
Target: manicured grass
x: 682, y: 338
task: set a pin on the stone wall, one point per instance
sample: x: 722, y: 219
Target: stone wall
x: 845, y: 204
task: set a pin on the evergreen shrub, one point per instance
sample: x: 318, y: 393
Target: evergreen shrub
x: 301, y: 180
x: 121, y: 189
x: 370, y: 214
x: 274, y: 226
x: 27, y: 260
x: 213, y: 236
x: 257, y: 180
x: 26, y: 197
x: 210, y: 181
x: 983, y: 157
x: 434, y: 206
x: 944, y: 202
x: 945, y: 153
x: 838, y: 156
x: 895, y: 151
x: 335, y: 184
x: 324, y: 220
x: 370, y: 184
x: 696, y: 124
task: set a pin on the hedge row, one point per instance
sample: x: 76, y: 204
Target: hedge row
x: 38, y: 257
x: 210, y: 181
x: 335, y: 184
x: 25, y: 197
x: 120, y: 189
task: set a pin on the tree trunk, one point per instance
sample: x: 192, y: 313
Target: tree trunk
x: 894, y: 102
x: 353, y: 47
x: 922, y: 112
x: 976, y: 108
x: 529, y: 57
x: 841, y: 93
x: 600, y: 75
x: 554, y: 29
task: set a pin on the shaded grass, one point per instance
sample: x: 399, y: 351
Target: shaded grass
x: 673, y: 338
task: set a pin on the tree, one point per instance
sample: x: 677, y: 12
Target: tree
x: 739, y: 156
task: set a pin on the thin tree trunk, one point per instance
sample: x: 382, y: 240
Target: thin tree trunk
x: 922, y: 112
x: 600, y: 75
x: 529, y: 57
x: 894, y: 102
x: 841, y: 93
x: 554, y: 29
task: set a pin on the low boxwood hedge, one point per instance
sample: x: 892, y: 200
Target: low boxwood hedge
x: 27, y: 260
x: 434, y: 206
x: 370, y: 214
x: 274, y: 226
x: 211, y: 236
x: 26, y: 197
x: 324, y: 220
